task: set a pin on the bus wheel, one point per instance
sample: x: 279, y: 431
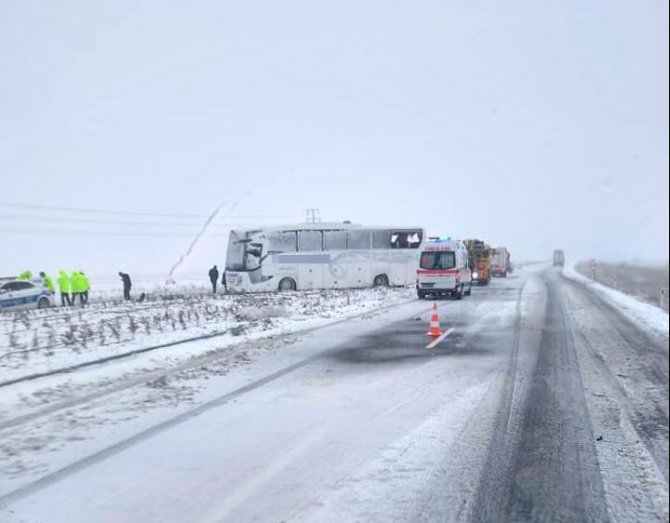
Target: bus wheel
x: 287, y: 284
x: 380, y: 281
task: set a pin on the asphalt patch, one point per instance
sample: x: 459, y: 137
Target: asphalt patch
x: 403, y: 342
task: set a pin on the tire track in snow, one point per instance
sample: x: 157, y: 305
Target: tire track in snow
x: 653, y: 423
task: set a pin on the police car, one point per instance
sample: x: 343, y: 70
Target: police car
x: 18, y: 295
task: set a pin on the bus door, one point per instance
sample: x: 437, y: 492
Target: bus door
x: 359, y: 258
x: 335, y: 271
x: 311, y: 260
x: 405, y: 255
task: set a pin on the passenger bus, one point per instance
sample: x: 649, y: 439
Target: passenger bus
x: 321, y: 256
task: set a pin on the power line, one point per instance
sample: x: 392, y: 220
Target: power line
x: 52, y: 232
x: 106, y: 222
x: 134, y: 213
x: 99, y: 211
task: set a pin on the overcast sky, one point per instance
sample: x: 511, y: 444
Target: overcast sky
x: 530, y: 124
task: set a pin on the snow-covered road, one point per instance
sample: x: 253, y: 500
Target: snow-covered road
x: 544, y: 404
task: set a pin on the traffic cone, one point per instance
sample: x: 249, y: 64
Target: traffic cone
x: 434, y: 329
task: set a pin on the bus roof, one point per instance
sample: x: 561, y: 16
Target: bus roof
x: 329, y: 226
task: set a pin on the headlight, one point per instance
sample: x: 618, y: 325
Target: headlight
x: 475, y: 275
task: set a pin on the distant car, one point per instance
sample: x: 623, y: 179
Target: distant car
x: 559, y: 258
x: 19, y: 295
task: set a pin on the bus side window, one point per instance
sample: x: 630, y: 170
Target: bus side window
x: 406, y: 239
x: 309, y: 241
x: 281, y: 242
x: 414, y: 239
x: 381, y: 239
x: 358, y: 240
x: 334, y: 240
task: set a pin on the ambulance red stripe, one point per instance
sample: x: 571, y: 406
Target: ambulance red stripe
x: 437, y: 271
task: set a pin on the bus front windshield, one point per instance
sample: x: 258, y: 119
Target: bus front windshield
x: 438, y: 260
x: 248, y: 249
x: 237, y: 246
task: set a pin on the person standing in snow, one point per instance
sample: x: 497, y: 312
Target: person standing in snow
x: 64, y: 287
x: 47, y: 281
x: 127, y: 284
x: 74, y: 285
x: 214, y: 278
x: 77, y: 286
x: 85, y: 287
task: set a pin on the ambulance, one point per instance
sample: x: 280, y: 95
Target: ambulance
x: 443, y: 270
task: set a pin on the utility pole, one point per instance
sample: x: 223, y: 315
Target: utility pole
x: 593, y: 269
x: 662, y: 298
x: 312, y: 216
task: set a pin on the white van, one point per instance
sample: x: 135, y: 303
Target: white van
x: 443, y: 270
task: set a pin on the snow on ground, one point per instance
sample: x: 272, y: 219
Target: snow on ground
x: 326, y: 401
x: 638, y: 311
x: 53, y: 441
x: 224, y: 330
x: 43, y: 341
x: 622, y: 401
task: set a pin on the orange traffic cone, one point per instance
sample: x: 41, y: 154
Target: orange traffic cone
x: 434, y: 329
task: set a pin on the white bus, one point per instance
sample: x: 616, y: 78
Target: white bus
x: 321, y: 256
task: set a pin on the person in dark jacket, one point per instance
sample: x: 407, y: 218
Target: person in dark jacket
x: 127, y: 284
x: 214, y: 278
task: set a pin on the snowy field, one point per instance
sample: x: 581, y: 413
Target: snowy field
x: 60, y: 411
x: 37, y: 342
x: 643, y: 281
x: 637, y: 310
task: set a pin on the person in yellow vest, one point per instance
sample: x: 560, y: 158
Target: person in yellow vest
x: 25, y: 276
x: 77, y: 288
x: 47, y: 281
x: 85, y: 287
x: 64, y: 287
